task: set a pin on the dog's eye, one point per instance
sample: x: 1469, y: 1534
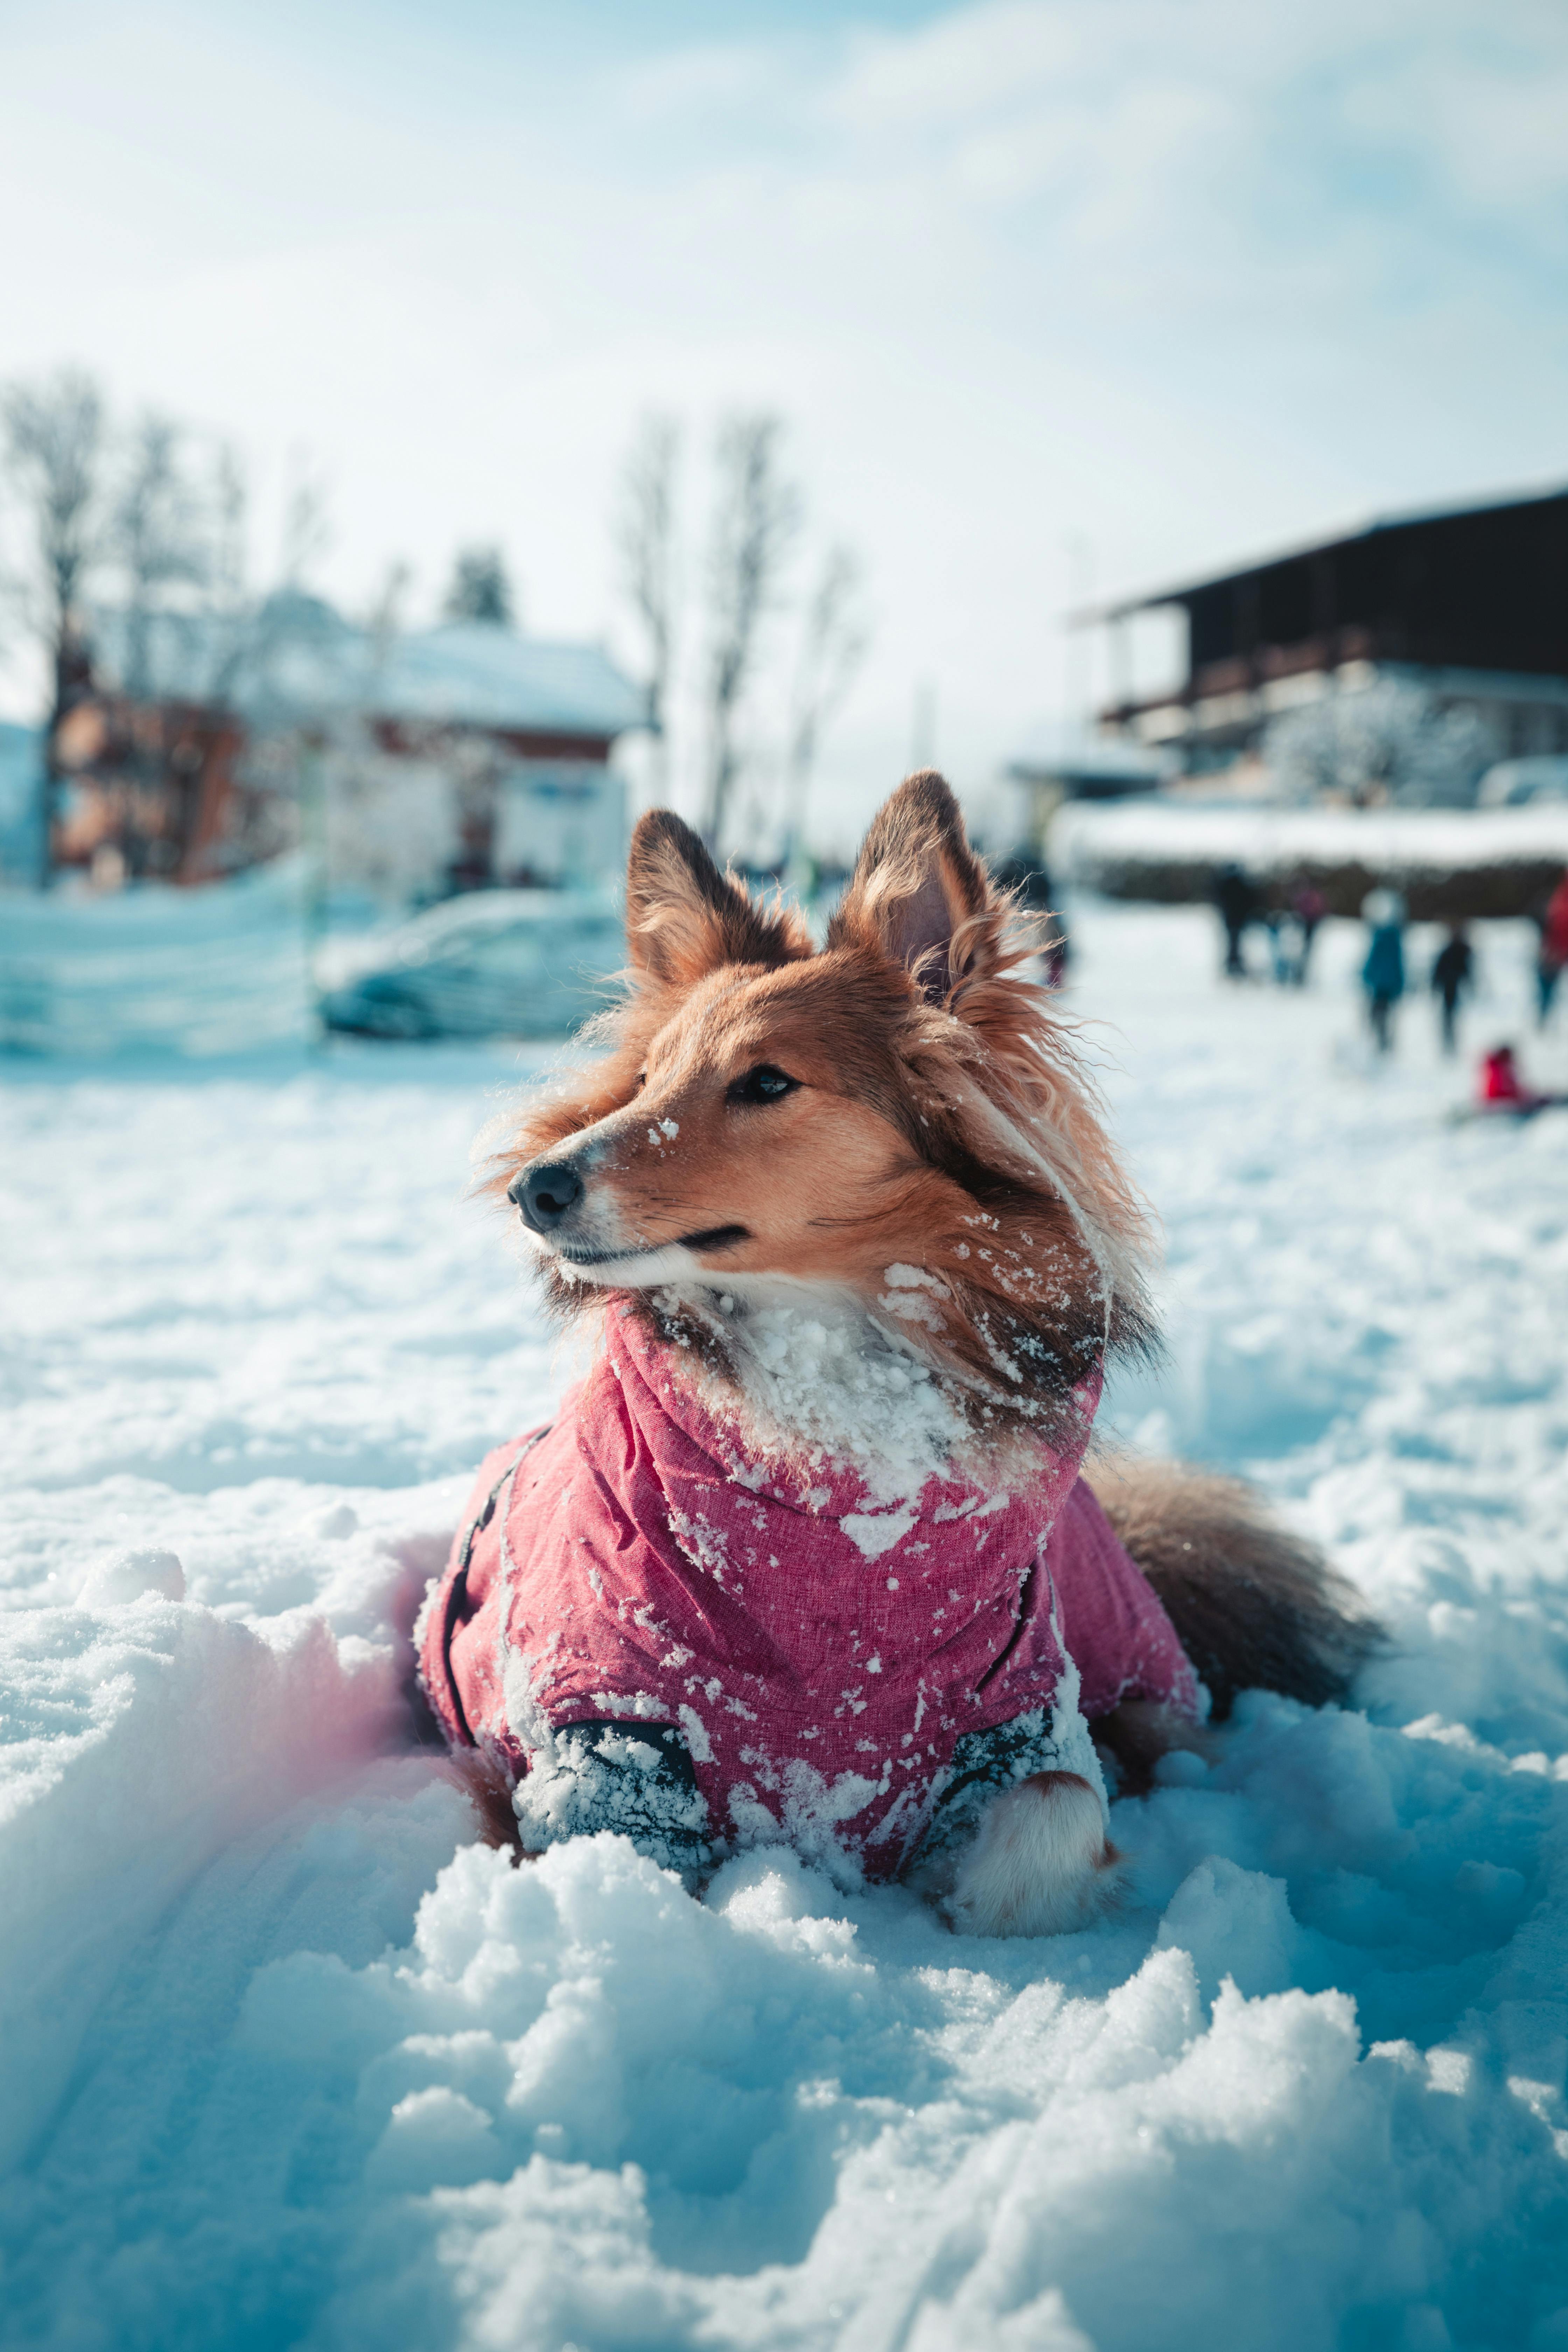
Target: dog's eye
x: 639, y: 1082
x: 763, y: 1085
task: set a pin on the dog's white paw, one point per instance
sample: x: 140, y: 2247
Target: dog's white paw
x: 1040, y: 1864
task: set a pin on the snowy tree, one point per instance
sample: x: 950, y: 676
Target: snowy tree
x: 482, y: 589
x: 1390, y: 743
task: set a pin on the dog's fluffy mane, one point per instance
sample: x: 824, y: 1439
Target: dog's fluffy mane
x: 1036, y: 1244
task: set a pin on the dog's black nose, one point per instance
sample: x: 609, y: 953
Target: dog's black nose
x: 545, y: 1194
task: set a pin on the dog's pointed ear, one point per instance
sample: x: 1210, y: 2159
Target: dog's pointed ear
x: 684, y: 918
x: 920, y: 896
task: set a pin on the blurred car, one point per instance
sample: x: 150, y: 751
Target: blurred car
x: 1516, y: 783
x: 508, y: 963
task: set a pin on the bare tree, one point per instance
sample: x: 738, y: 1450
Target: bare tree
x: 645, y: 538
x: 307, y: 531
x: 231, y: 514
x: 54, y: 450
x: 227, y: 632
x: 162, y: 534
x: 385, y: 619
x: 833, y: 646
x: 756, y: 514
x: 228, y: 622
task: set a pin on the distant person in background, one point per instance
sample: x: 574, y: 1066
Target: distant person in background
x: 1026, y: 877
x: 1501, y: 1088
x: 1383, y: 973
x: 1284, y: 944
x: 1309, y: 905
x: 1236, y: 901
x: 1553, y: 955
x: 1029, y: 880
x: 1292, y: 926
x: 1453, y: 970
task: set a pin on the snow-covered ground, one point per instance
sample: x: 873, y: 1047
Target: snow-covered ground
x: 287, y: 2059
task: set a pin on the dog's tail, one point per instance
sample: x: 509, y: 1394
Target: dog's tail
x: 1254, y: 1606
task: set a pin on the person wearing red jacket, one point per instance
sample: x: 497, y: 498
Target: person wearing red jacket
x: 1554, y: 953
x: 1501, y: 1087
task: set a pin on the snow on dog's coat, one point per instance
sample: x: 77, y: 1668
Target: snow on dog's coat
x: 821, y: 1656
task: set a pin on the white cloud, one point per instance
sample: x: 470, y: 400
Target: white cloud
x: 963, y: 66
x: 1495, y: 133
x: 696, y: 80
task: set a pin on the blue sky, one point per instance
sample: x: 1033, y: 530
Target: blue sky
x: 1162, y: 280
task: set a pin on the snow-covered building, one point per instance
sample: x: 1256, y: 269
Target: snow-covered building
x: 442, y: 759
x: 1469, y: 607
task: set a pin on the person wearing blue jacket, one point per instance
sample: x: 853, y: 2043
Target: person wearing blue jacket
x: 1383, y: 973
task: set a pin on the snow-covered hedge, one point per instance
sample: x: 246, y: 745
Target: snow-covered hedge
x: 1450, y: 864
x: 221, y: 970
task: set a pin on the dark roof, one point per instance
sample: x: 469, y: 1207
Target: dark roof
x: 1417, y: 519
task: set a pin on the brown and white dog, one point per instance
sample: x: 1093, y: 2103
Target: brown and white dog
x: 870, y: 1106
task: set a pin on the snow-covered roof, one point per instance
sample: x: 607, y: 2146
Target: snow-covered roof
x: 476, y: 671
x: 294, y: 657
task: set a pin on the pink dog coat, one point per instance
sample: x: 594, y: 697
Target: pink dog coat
x: 821, y: 1656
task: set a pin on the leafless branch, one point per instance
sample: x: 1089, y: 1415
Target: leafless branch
x: 645, y: 538
x: 54, y: 451
x: 833, y: 646
x: 54, y: 446
x: 755, y: 517
x: 160, y: 535
x: 230, y: 507
x: 307, y: 531
x: 385, y: 618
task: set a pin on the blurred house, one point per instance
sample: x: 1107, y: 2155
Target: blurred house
x: 442, y: 760
x: 1466, y: 610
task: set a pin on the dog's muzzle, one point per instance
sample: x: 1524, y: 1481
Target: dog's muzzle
x: 546, y: 1195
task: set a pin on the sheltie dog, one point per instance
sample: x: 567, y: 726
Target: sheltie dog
x: 811, y: 1554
